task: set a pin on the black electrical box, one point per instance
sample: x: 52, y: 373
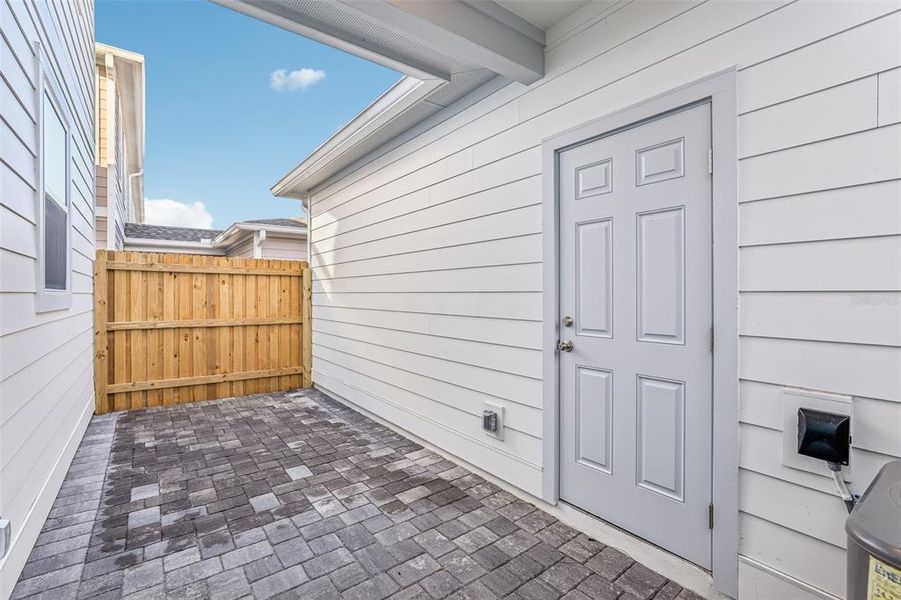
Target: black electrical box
x: 822, y: 435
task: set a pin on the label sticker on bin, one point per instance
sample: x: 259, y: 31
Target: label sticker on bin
x: 884, y: 581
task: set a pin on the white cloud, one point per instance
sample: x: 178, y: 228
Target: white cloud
x: 301, y: 79
x: 164, y: 211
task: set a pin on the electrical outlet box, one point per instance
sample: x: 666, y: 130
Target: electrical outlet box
x: 493, y: 420
x: 793, y: 400
x: 5, y: 536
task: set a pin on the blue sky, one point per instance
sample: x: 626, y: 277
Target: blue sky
x: 218, y: 130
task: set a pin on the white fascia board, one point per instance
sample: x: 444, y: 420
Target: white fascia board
x: 346, y: 40
x: 458, y: 29
x: 155, y: 245
x: 396, y: 100
x: 239, y: 229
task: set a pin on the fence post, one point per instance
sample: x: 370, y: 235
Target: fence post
x: 307, y: 344
x: 101, y: 348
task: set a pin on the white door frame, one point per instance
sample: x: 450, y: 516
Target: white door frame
x: 719, y: 89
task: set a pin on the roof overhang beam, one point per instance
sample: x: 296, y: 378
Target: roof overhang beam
x: 480, y: 33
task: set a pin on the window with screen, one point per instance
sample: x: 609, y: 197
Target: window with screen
x: 53, y: 201
x: 56, y: 204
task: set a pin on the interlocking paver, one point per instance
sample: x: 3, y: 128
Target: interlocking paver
x: 292, y: 495
x: 142, y: 576
x: 279, y: 582
x: 246, y: 554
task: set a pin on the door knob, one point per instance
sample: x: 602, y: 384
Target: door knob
x: 567, y: 321
x: 566, y: 346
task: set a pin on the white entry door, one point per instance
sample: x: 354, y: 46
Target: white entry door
x: 635, y: 297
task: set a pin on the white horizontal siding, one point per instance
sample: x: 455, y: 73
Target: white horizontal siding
x: 46, y: 359
x: 427, y: 254
x: 243, y: 249
x: 284, y: 248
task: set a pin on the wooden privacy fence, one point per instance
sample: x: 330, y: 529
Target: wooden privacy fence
x: 175, y: 328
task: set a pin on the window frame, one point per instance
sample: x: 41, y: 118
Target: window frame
x: 49, y: 299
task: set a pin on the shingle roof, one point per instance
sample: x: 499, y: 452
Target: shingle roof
x: 299, y: 223
x: 164, y: 232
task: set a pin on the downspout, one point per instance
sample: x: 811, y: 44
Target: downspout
x: 141, y: 200
x: 259, y: 237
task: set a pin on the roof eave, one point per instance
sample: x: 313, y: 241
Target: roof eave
x: 240, y: 228
x: 397, y: 99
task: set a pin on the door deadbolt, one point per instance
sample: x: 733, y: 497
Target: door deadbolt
x: 566, y: 346
x: 567, y: 321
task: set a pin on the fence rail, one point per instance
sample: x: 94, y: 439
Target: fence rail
x: 176, y: 328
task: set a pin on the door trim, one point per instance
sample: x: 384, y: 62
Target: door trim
x: 719, y: 90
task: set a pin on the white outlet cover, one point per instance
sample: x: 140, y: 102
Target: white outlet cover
x: 792, y: 400
x: 499, y: 409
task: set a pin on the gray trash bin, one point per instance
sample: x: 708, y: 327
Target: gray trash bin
x: 874, y: 539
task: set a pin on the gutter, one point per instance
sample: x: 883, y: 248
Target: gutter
x: 237, y: 228
x: 199, y: 247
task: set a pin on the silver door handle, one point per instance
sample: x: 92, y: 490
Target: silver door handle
x: 566, y: 346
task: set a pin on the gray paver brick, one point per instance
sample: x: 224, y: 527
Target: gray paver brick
x: 317, y: 589
x: 145, y: 516
x: 355, y: 537
x: 193, y: 572
x: 47, y: 581
x: 293, y: 552
x: 414, y: 569
x: 264, y: 502
x: 246, y: 554
x: 215, y: 544
x: 440, y: 584
x: 610, y: 563
x: 476, y: 539
x: 380, y: 586
x: 396, y: 533
x: 293, y: 495
x: 434, y: 543
x: 566, y: 575
x: 145, y: 491
x: 228, y: 585
x: 279, y: 582
x: 142, y: 576
x: 462, y: 566
x: 328, y: 562
x: 641, y: 581
x: 349, y: 576
x: 181, y: 558
x: 299, y: 472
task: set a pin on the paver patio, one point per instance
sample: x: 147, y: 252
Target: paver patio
x: 296, y: 496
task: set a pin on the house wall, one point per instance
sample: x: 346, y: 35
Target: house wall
x: 243, y: 249
x: 46, y: 377
x: 285, y: 248
x: 100, y: 194
x: 112, y: 190
x: 427, y: 256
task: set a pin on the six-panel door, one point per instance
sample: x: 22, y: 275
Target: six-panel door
x: 636, y: 275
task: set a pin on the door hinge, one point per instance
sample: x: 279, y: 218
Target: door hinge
x: 711, y: 339
x: 710, y: 160
x: 710, y: 516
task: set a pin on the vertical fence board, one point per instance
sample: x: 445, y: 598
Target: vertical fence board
x: 175, y: 328
x: 101, y: 345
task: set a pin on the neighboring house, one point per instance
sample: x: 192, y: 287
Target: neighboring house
x: 46, y: 256
x: 259, y: 238
x: 548, y: 175
x: 119, y: 131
